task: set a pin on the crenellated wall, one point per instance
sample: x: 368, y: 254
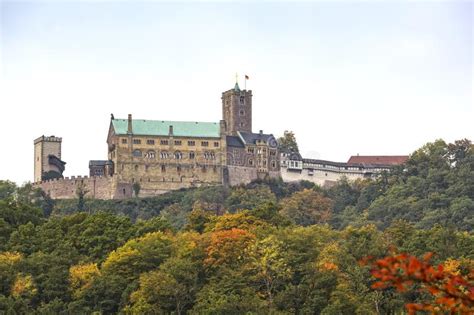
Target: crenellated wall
x: 96, y: 187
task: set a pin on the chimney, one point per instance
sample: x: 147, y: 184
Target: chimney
x: 129, y: 123
x: 223, y: 127
x: 171, y: 130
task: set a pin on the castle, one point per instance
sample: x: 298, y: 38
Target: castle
x: 151, y: 157
x: 159, y: 156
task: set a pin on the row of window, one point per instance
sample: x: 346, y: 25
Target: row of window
x: 191, y: 143
x: 178, y: 155
x: 178, y: 168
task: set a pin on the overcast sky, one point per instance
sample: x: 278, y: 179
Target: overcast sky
x: 367, y: 77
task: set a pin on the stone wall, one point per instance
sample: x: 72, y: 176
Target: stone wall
x: 97, y: 187
x: 322, y: 178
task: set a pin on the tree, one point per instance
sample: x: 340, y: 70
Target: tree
x: 81, y: 278
x: 306, y: 207
x: 138, y: 255
x: 169, y: 289
x: 228, y: 248
x: 269, y: 263
x: 242, y: 198
x: 136, y: 189
x: 450, y: 292
x: 81, y: 191
x: 287, y: 143
x: 7, y: 189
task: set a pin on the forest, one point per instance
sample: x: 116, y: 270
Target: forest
x: 400, y: 244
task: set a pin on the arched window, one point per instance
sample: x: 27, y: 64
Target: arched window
x: 150, y: 155
x: 178, y: 155
x: 137, y: 153
x: 164, y: 154
x: 209, y: 155
x: 191, y: 155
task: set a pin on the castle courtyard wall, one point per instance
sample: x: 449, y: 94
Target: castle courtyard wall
x: 65, y: 188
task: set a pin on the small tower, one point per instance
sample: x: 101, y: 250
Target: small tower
x: 237, y: 110
x: 48, y: 163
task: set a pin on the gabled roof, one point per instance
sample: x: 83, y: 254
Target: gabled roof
x: 378, y: 159
x: 234, y: 141
x: 251, y: 138
x: 99, y: 162
x: 162, y: 127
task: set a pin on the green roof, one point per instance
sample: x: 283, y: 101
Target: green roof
x: 161, y: 128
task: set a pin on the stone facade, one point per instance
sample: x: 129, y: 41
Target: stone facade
x: 167, y: 155
x: 327, y: 173
x: 164, y: 155
x: 96, y: 187
x: 47, y: 158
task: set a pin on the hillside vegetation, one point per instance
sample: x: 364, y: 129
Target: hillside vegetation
x: 265, y: 248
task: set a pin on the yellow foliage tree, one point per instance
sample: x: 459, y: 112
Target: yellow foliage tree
x: 81, y: 277
x: 23, y: 286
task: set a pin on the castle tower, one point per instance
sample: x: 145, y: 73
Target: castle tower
x: 48, y: 163
x: 237, y: 110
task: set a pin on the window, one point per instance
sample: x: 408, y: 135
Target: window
x: 124, y: 141
x: 164, y: 142
x: 164, y: 154
x: 241, y: 112
x: 242, y: 124
x: 150, y: 155
x: 137, y: 153
x: 250, y: 162
x: 191, y: 143
x: 178, y: 155
x: 163, y: 169
x: 177, y: 142
x: 272, y: 153
x: 209, y: 155
x: 242, y: 100
x: 191, y: 155
x: 150, y: 142
x: 216, y: 144
x: 204, y: 169
x: 137, y: 141
x: 178, y: 168
x: 204, y: 143
x: 250, y: 150
x: 273, y: 164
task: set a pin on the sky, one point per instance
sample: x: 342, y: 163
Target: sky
x: 347, y: 77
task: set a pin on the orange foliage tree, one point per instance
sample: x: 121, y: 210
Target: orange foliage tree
x: 451, y: 291
x: 228, y: 247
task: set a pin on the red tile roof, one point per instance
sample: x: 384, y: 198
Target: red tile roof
x: 378, y: 159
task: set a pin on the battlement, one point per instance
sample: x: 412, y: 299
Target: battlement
x: 48, y: 139
x: 97, y: 187
x: 75, y: 178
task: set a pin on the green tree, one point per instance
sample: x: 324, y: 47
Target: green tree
x: 136, y: 189
x: 287, y: 143
x: 306, y: 207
